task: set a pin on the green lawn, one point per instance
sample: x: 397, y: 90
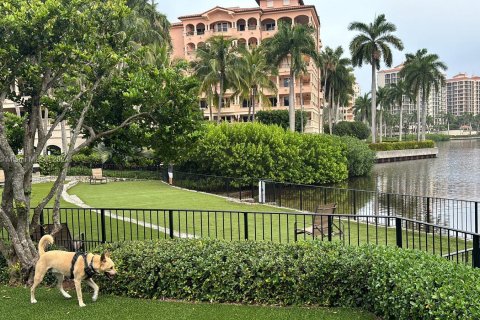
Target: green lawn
x: 15, y: 304
x: 224, y: 225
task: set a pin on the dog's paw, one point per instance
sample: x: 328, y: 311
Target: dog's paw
x: 82, y: 305
x: 94, y: 297
x: 33, y: 301
x: 66, y: 295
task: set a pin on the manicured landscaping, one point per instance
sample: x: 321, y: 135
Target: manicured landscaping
x: 15, y: 304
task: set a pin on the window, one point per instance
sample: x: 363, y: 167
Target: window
x: 203, y: 104
x: 270, y: 3
x: 286, y: 82
x: 273, y: 101
x: 221, y: 27
x: 270, y: 26
x: 245, y: 103
x: 286, y: 101
x: 241, y: 27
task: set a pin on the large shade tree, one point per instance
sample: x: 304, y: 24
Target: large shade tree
x: 73, y: 76
x: 372, y: 45
x: 423, y: 72
x: 291, y: 44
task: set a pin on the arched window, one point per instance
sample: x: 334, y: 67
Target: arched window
x: 200, y: 29
x: 241, y: 25
x: 189, y: 30
x: 268, y: 25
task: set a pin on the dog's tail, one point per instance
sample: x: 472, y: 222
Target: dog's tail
x: 44, y: 241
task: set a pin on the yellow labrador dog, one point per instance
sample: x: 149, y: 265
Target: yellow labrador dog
x: 77, y: 266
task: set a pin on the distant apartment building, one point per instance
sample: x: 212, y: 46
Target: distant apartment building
x: 249, y: 27
x: 436, y: 104
x: 463, y: 95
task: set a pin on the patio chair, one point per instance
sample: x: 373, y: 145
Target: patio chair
x: 63, y: 238
x: 319, y: 223
x: 97, y: 175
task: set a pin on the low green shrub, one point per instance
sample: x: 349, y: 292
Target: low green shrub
x: 355, y: 129
x: 394, y: 283
x: 359, y: 156
x: 389, y: 146
x: 436, y: 137
x: 50, y: 165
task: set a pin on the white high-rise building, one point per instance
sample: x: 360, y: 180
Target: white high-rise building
x: 463, y: 95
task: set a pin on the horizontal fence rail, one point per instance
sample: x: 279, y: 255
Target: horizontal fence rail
x: 83, y: 229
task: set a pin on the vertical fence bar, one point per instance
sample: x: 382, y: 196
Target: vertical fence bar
x: 330, y: 227
x: 476, y: 251
x: 476, y: 217
x: 42, y: 231
x: 170, y: 223
x: 301, y: 199
x: 427, y: 227
x: 103, y: 224
x: 398, y: 229
x: 388, y: 209
x: 245, y: 225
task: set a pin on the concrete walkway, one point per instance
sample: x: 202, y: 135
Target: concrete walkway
x: 73, y: 199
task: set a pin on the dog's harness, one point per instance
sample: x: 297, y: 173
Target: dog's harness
x: 89, y: 270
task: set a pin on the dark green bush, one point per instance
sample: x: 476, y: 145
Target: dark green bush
x: 355, y: 129
x: 260, y: 151
x: 394, y: 283
x: 388, y: 146
x: 50, y: 165
x: 281, y: 118
x: 360, y: 157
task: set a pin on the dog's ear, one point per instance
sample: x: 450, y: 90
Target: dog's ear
x: 107, y: 254
x: 103, y: 258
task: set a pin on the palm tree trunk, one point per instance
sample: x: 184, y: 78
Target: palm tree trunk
x: 291, y: 104
x: 301, y: 106
x: 337, y: 110
x: 211, y: 108
x: 220, y: 101
x: 330, y: 110
x: 419, y: 116
x: 424, y: 118
x: 253, y: 104
x: 249, y: 103
x: 374, y: 102
x: 401, y: 122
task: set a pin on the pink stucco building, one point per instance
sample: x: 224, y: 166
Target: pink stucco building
x: 249, y: 27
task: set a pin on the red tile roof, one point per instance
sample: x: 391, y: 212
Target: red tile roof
x: 301, y: 2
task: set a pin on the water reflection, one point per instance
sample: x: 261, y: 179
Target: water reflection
x: 455, y: 173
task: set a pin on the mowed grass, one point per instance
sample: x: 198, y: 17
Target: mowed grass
x: 15, y: 304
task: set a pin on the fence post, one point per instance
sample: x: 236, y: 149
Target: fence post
x: 104, y: 227
x: 476, y: 217
x: 398, y: 228
x: 42, y: 222
x: 280, y: 196
x: 355, y: 204
x: 388, y: 209
x: 330, y: 227
x: 170, y: 223
x: 427, y: 227
x: 245, y: 225
x: 476, y: 251
x: 241, y: 192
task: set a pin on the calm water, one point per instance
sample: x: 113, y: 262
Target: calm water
x: 454, y: 174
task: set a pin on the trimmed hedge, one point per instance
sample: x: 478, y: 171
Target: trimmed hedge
x: 388, y: 146
x: 393, y: 283
x: 254, y: 150
x: 355, y: 129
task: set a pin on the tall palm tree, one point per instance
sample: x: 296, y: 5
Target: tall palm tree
x: 361, y: 108
x: 254, y: 77
x: 384, y: 100
x: 370, y: 46
x: 398, y: 92
x: 423, y: 72
x: 291, y: 44
x: 217, y: 65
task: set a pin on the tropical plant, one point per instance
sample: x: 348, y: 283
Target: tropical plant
x: 398, y: 92
x: 291, y: 44
x: 384, y: 101
x: 253, y: 78
x: 217, y: 65
x: 422, y: 73
x: 370, y: 46
x: 361, y: 108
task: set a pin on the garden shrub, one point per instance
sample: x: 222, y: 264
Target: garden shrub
x: 50, y: 165
x: 355, y: 129
x: 281, y: 118
x: 360, y: 157
x: 255, y: 150
x: 393, y: 283
x: 389, y: 146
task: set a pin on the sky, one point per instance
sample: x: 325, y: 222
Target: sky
x: 448, y: 28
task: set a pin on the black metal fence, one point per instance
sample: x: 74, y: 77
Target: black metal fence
x: 455, y: 214
x: 87, y: 228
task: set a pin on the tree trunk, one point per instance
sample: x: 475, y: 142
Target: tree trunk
x: 64, y: 137
x: 291, y: 104
x: 249, y: 103
x: 401, y: 122
x: 374, y: 103
x: 380, y: 120
x: 301, y: 106
x: 220, y: 101
x: 424, y: 118
x: 253, y: 104
x: 419, y: 116
x: 330, y: 103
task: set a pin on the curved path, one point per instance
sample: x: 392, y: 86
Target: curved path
x: 73, y: 199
